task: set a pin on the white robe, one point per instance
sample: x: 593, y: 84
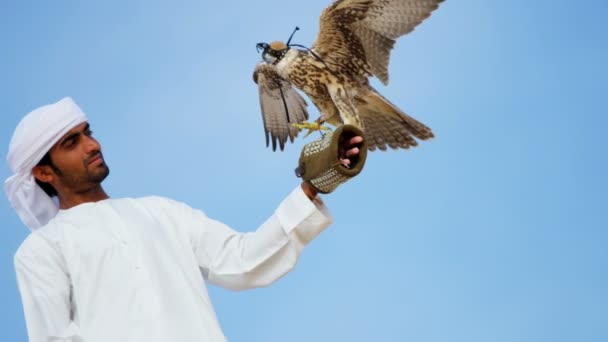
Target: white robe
x: 129, y: 270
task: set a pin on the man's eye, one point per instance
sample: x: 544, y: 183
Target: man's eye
x: 88, y: 133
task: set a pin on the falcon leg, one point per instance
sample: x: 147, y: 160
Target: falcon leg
x: 317, y: 125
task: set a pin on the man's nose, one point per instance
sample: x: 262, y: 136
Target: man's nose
x: 91, y: 144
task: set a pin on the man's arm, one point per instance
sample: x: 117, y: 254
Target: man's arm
x: 309, y: 190
x: 240, y: 261
x: 45, y: 288
x: 245, y: 260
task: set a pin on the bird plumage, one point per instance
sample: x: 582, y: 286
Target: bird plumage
x: 281, y: 106
x: 354, y: 43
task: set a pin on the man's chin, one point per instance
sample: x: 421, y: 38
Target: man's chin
x: 100, y: 173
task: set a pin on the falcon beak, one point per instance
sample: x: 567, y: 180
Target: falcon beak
x: 262, y: 46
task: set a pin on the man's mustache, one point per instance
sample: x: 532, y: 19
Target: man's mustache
x: 93, y: 156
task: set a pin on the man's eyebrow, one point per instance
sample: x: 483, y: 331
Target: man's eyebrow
x: 68, y: 138
x: 74, y: 135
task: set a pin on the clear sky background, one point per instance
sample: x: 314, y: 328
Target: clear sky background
x: 496, y: 230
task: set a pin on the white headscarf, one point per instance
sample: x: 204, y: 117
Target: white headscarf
x: 37, y: 132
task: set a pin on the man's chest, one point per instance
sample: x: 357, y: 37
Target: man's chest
x: 116, y: 251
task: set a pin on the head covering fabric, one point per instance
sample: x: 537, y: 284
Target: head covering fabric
x: 34, y: 136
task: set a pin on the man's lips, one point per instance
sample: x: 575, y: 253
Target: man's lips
x: 98, y: 159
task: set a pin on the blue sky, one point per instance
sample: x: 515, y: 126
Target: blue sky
x: 496, y: 230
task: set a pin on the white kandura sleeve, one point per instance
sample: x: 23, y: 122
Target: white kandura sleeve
x: 45, y: 291
x: 240, y: 261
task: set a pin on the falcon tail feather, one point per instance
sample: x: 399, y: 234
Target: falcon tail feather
x: 385, y: 125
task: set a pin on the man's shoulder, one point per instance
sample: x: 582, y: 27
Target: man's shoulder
x: 160, y: 205
x: 155, y: 201
x: 36, y: 243
x: 167, y: 208
x: 26, y: 247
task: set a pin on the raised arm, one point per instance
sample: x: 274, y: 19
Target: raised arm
x: 240, y: 261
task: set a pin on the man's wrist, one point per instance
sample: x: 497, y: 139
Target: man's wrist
x: 309, y: 190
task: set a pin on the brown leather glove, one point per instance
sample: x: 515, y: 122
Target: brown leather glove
x: 320, y: 163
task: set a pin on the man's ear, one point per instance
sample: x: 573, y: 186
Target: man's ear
x: 43, y: 173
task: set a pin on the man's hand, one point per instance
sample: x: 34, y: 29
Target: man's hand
x: 349, y: 148
x: 332, y: 160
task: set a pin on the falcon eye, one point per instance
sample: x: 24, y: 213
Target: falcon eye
x: 268, y: 57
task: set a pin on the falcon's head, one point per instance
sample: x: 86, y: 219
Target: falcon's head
x: 273, y: 52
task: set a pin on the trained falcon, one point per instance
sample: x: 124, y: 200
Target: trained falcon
x: 354, y: 43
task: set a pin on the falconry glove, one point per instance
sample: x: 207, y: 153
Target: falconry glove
x: 320, y: 163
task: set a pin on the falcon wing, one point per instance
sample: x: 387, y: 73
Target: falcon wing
x: 281, y: 105
x: 357, y: 36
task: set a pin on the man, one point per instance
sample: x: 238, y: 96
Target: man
x: 101, y: 269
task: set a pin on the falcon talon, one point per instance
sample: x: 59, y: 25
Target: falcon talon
x: 312, y: 126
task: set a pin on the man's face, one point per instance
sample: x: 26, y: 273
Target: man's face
x: 79, y: 164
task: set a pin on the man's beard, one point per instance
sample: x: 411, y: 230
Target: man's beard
x: 99, y: 174
x: 84, y: 182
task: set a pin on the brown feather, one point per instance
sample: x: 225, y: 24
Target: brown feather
x: 385, y: 124
x: 357, y: 36
x: 281, y: 106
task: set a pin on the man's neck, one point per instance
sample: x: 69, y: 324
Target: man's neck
x: 67, y: 201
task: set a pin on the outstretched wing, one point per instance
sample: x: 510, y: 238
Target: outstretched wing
x: 357, y: 36
x: 281, y: 105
